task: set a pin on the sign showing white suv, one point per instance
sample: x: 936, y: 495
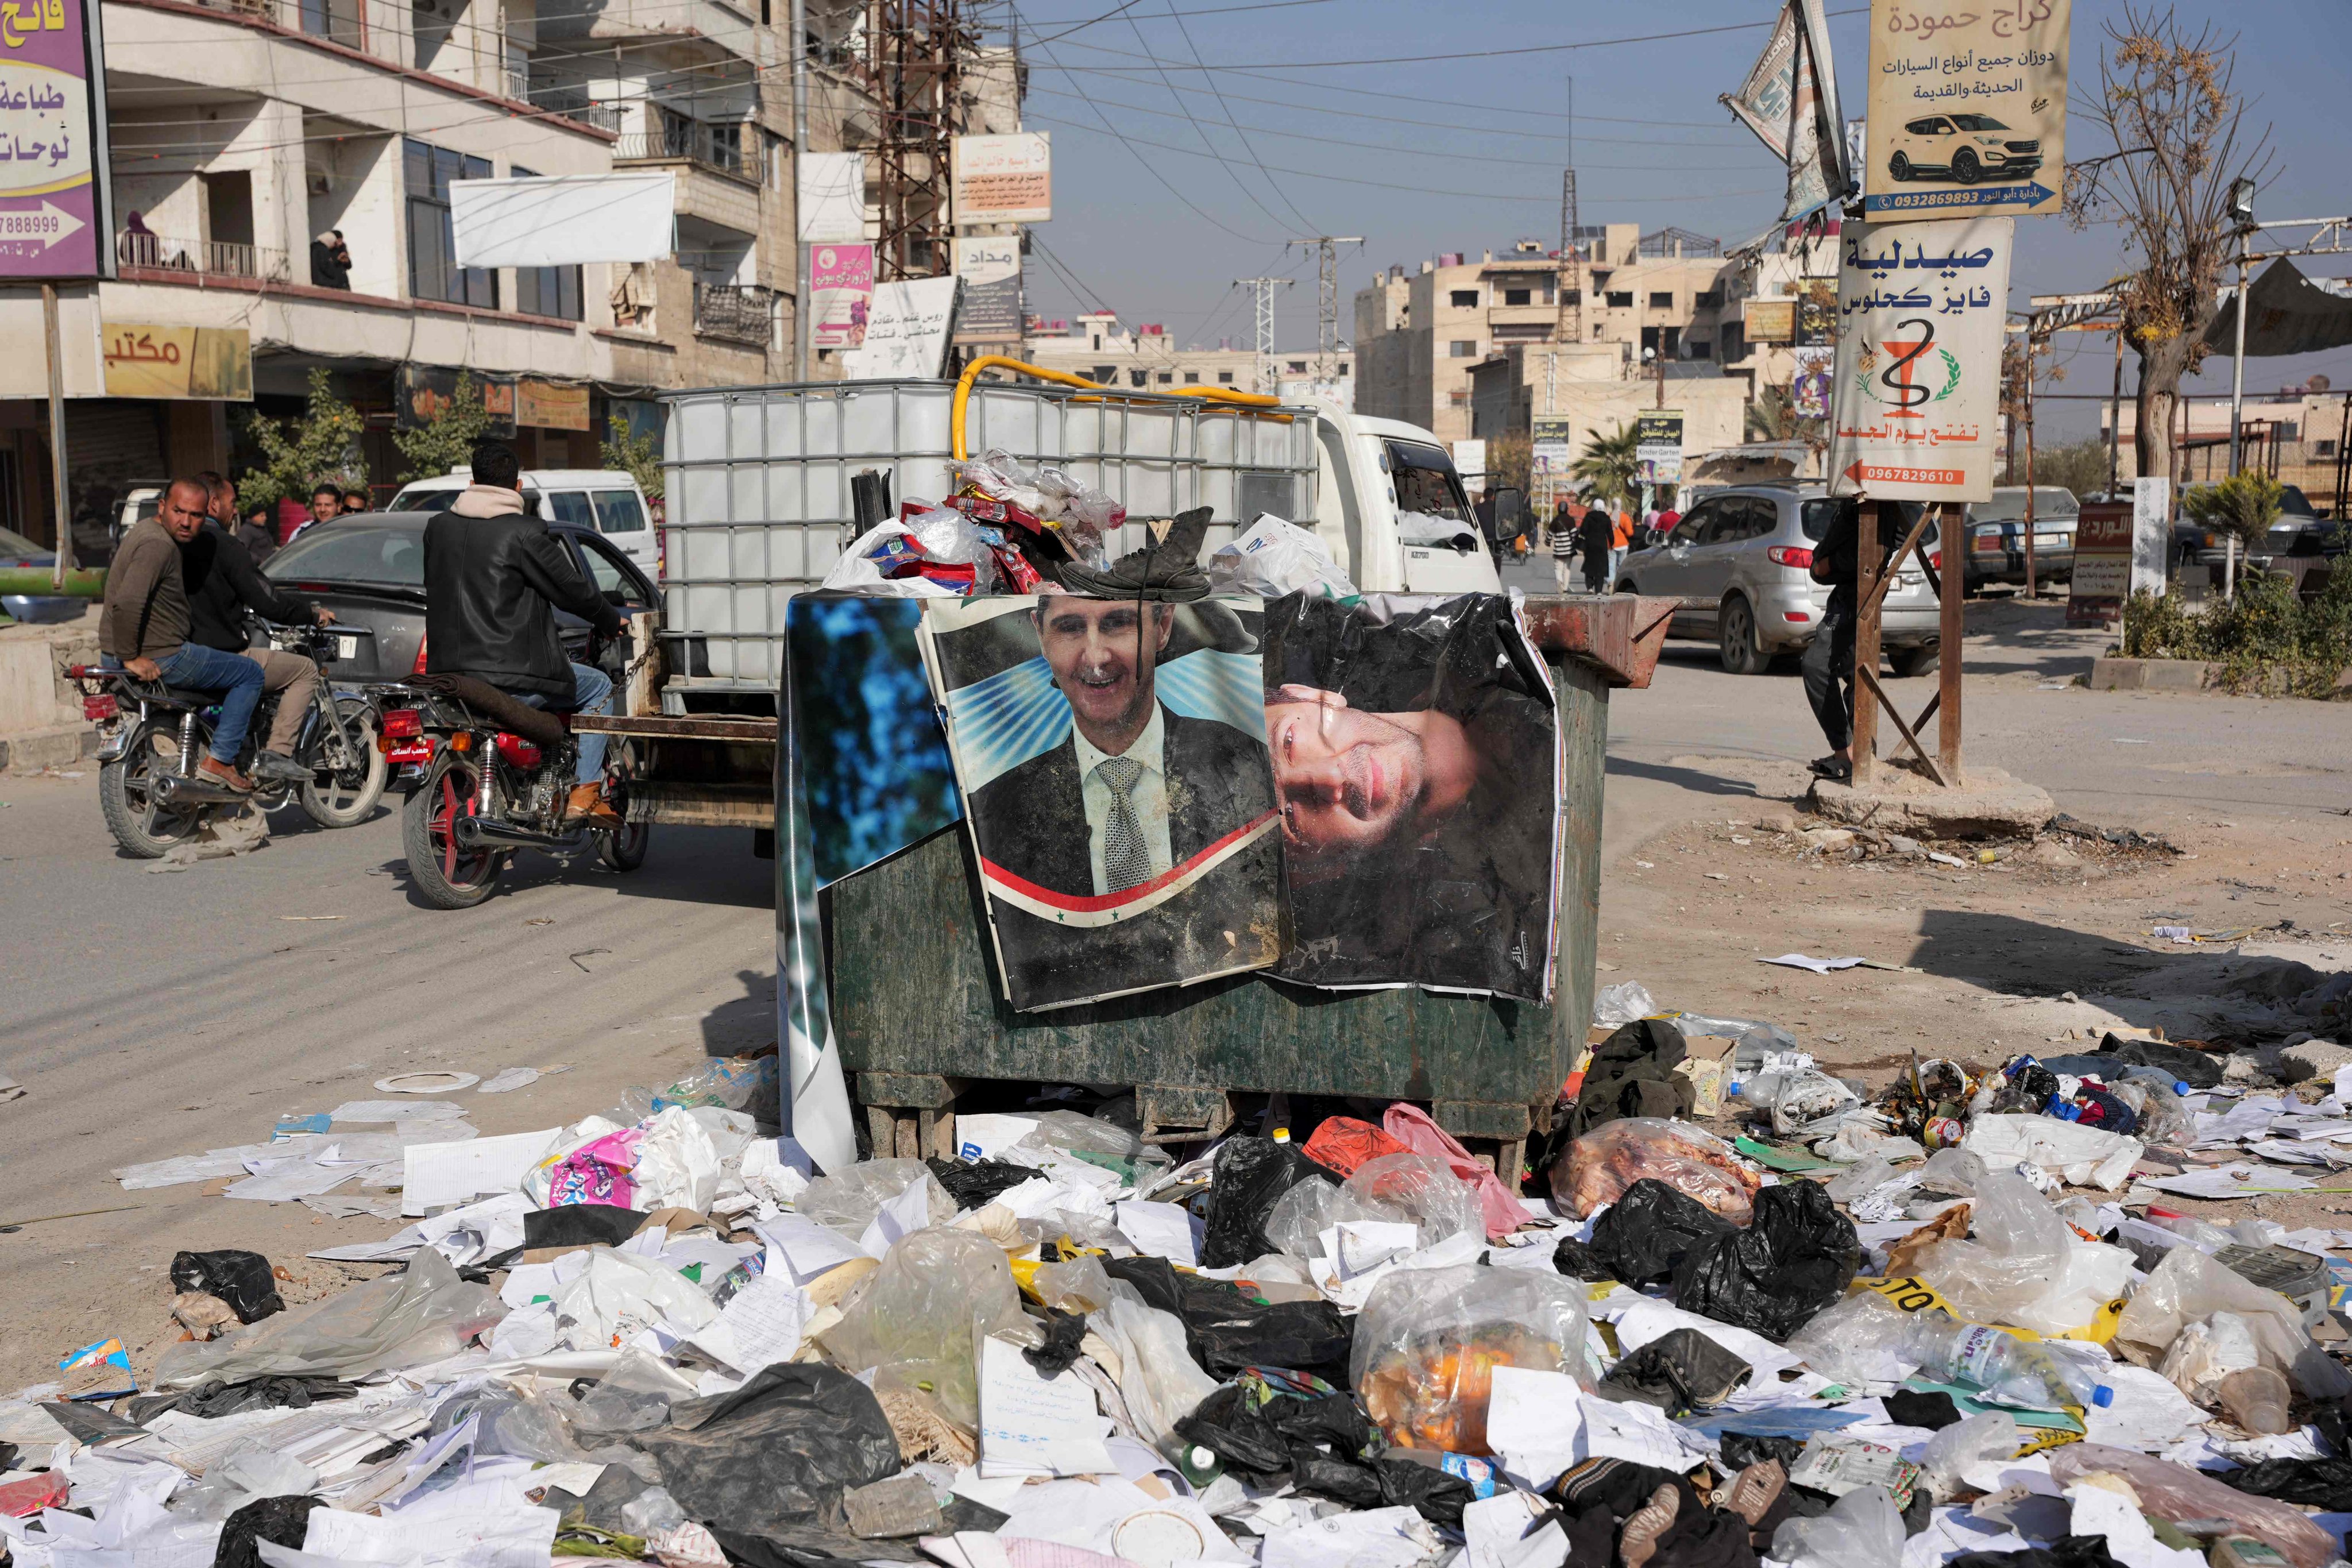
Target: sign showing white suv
x: 1962, y: 148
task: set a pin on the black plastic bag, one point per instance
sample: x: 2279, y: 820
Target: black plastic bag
x: 2070, y: 1552
x: 1741, y: 1449
x: 1796, y: 1256
x: 1632, y: 1074
x: 1064, y: 1330
x: 280, y: 1521
x: 1250, y: 1175
x: 1227, y: 1331
x: 1648, y: 1232
x: 243, y: 1280
x: 1439, y: 1495
x: 2325, y: 1484
x: 974, y: 1184
x: 1245, y: 1438
x: 580, y: 1224
x: 776, y: 1453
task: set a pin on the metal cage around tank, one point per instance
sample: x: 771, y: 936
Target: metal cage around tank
x: 758, y: 487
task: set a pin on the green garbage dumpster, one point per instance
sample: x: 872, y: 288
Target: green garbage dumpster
x: 920, y: 1017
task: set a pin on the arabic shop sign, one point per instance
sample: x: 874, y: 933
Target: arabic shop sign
x: 143, y: 360
x: 54, y: 221
x: 1915, y: 399
x: 1968, y: 107
x: 1658, y: 445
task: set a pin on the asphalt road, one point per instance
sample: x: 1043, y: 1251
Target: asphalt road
x: 152, y: 1014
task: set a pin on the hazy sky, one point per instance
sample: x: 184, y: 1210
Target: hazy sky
x: 1465, y: 154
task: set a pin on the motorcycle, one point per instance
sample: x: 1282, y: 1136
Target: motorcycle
x: 151, y: 736
x: 491, y: 775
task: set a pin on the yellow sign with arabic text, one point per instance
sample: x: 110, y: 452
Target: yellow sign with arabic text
x: 145, y: 361
x: 1967, y: 108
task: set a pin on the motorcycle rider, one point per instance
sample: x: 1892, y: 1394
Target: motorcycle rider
x: 494, y: 576
x: 222, y: 584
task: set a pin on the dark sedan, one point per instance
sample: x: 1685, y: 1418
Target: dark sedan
x: 370, y: 570
x: 2299, y: 530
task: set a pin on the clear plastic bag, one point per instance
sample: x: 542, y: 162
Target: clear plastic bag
x: 2173, y: 1492
x: 1952, y: 1173
x: 634, y: 1395
x: 1095, y: 1142
x: 1275, y: 558
x: 536, y: 1427
x: 1863, y: 1339
x: 922, y: 1314
x: 1429, y: 1340
x: 1302, y: 1214
x: 1863, y: 1530
x: 2208, y: 1351
x: 733, y: 1083
x: 1596, y: 1168
x: 424, y: 1313
x: 848, y: 1202
x: 1614, y: 1007
x: 2025, y: 1267
x: 1421, y: 1189
x: 1957, y: 1448
x: 861, y: 569
x: 618, y: 1295
x: 2188, y: 1286
x: 678, y: 1165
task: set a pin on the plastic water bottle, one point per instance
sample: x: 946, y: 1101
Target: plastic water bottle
x: 2012, y: 1371
x: 2256, y: 1398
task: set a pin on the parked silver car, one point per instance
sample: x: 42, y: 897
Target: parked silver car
x: 1996, y: 534
x: 1745, y: 553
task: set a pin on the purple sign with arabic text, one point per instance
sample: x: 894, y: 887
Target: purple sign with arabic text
x: 53, y: 218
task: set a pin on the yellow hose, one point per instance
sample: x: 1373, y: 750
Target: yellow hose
x: 1062, y: 378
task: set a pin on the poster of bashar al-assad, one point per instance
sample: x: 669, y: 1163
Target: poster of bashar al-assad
x: 1416, y: 762
x: 1112, y: 755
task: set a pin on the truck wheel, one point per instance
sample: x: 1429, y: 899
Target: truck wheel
x: 447, y: 875
x: 1741, y: 650
x: 626, y: 849
x: 1920, y: 660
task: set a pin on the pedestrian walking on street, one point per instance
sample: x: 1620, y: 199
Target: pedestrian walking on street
x: 1566, y: 518
x: 1594, y: 538
x: 1620, y: 539
x: 1829, y: 657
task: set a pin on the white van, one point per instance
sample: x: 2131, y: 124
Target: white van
x: 1391, y: 509
x: 605, y: 500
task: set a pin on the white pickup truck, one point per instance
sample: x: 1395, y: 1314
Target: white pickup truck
x: 758, y: 507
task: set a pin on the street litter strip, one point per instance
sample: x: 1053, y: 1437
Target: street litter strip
x: 1739, y: 1310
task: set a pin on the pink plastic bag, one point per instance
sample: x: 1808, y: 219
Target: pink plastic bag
x: 1410, y: 1126
x: 598, y: 1172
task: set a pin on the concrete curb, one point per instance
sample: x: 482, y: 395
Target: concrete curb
x: 2150, y: 675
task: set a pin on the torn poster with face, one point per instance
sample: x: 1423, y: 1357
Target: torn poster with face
x: 1111, y: 756
x: 1416, y: 762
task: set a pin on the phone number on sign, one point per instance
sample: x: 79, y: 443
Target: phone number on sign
x: 33, y: 225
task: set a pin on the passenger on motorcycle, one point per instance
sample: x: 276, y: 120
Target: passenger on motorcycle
x: 147, y: 622
x: 222, y: 584
x: 494, y: 577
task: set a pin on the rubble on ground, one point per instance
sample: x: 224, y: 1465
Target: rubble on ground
x: 1734, y: 1309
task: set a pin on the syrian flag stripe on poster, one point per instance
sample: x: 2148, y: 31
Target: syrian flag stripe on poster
x: 1916, y: 400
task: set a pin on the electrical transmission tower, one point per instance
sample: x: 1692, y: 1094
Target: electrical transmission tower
x: 1262, y: 293
x: 1571, y: 327
x: 1326, y: 295
x: 915, y: 52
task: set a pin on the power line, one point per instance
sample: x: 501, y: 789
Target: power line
x: 1203, y: 11
x: 1550, y: 136
x: 1203, y: 135
x: 1419, y: 190
x: 1106, y: 16
x: 1415, y: 152
x: 1194, y: 49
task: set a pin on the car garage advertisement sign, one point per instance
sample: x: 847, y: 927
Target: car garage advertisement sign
x: 1915, y: 402
x: 1968, y: 107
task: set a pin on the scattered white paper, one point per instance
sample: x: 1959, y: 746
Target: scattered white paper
x: 436, y: 1175
x: 2130, y: 1542
x: 1638, y: 1432
x: 1535, y: 1423
x: 364, y: 1111
x: 1818, y: 965
x: 898, y: 1217
x: 760, y: 1324
x: 467, y: 1529
x: 1167, y: 1230
x: 1372, y: 1538
x: 1032, y: 1425
x: 508, y: 1080
x: 1496, y: 1529
x: 1361, y: 1246
x: 2232, y: 1182
x: 987, y: 1136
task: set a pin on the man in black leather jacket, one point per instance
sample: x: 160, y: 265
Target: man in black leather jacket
x: 494, y: 577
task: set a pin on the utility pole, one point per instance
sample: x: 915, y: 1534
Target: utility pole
x: 1570, y: 327
x: 803, y: 317
x: 2241, y: 208
x: 1326, y: 295
x: 914, y: 70
x: 1262, y: 294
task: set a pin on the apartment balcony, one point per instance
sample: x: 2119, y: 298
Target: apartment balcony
x: 725, y: 148
x: 735, y: 312
x: 208, y: 259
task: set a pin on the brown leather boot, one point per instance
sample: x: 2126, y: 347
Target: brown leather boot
x: 211, y: 770
x: 589, y: 805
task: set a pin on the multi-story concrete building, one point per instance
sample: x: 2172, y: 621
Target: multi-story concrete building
x: 1632, y: 296
x: 2297, y: 434
x: 242, y: 129
x: 1095, y: 346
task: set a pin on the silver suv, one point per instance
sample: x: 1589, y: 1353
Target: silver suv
x: 1741, y: 558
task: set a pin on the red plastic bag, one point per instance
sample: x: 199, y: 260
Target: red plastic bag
x: 1411, y: 1125
x: 22, y: 1499
x: 1343, y: 1143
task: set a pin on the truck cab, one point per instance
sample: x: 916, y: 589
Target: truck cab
x: 1393, y: 511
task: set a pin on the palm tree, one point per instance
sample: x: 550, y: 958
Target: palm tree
x: 1608, y: 464
x: 1772, y: 416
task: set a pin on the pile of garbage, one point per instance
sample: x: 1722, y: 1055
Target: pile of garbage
x: 1736, y: 1309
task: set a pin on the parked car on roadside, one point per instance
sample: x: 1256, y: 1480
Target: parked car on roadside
x: 1741, y: 560
x: 1996, y: 535
x: 370, y: 570
x: 2299, y: 530
x: 605, y: 500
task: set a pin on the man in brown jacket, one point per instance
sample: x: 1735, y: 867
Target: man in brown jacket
x: 145, y: 624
